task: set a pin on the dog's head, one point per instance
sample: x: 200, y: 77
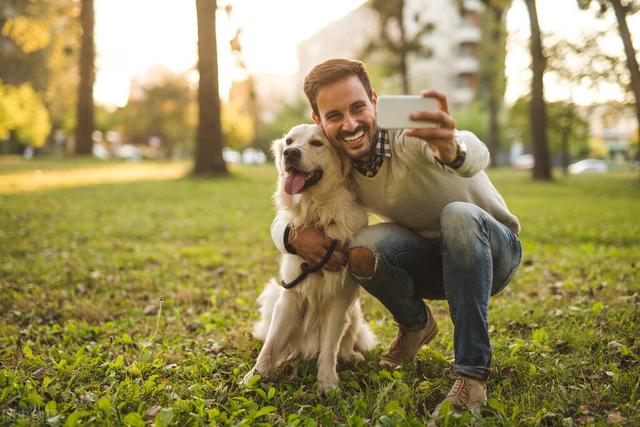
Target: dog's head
x: 304, y: 157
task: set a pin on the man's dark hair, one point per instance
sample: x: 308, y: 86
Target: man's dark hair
x: 332, y: 71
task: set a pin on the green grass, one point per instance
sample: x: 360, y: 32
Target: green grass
x: 83, y: 271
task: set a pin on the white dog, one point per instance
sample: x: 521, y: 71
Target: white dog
x: 321, y: 316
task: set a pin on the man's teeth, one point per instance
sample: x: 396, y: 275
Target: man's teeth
x: 354, y: 137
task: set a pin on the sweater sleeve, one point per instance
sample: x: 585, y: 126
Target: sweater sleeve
x: 477, y: 158
x: 278, y: 227
x: 477, y: 154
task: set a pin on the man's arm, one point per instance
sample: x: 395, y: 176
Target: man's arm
x: 309, y: 243
x: 476, y: 157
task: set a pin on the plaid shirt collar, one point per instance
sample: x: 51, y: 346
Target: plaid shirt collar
x: 382, y: 150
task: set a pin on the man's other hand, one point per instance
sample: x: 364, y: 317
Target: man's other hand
x: 312, y: 245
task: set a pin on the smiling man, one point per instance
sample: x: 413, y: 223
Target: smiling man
x: 448, y: 233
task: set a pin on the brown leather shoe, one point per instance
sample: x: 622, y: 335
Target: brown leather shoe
x: 467, y: 394
x: 407, y: 343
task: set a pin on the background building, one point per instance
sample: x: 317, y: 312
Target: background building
x: 452, y: 68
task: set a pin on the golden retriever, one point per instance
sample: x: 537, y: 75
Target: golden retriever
x: 320, y: 317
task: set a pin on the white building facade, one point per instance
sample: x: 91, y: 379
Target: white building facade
x: 452, y: 68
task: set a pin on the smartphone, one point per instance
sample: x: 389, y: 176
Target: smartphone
x: 394, y: 111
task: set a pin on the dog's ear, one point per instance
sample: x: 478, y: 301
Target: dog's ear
x: 276, y: 151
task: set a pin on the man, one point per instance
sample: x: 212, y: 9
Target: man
x: 448, y: 235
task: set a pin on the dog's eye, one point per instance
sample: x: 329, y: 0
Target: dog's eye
x: 315, y: 143
x: 289, y: 141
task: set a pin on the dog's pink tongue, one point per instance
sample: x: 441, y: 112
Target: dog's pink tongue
x: 293, y: 183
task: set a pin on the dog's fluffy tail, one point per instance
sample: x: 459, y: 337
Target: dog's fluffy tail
x: 267, y: 301
x: 365, y: 339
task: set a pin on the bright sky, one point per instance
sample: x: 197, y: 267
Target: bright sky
x: 133, y: 36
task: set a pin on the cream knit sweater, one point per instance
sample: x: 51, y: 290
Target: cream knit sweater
x: 411, y: 188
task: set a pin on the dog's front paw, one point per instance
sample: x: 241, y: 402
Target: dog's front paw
x: 328, y: 382
x: 247, y: 378
x: 264, y: 373
x: 354, y: 356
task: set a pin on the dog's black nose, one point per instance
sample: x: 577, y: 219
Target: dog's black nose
x: 292, y: 154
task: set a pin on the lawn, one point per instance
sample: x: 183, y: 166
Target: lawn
x: 132, y: 302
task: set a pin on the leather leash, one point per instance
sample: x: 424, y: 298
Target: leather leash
x: 308, y: 269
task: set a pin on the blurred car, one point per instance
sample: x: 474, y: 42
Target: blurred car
x: 588, y: 166
x: 524, y: 161
x: 231, y: 156
x: 100, y: 151
x: 253, y: 156
x: 129, y: 152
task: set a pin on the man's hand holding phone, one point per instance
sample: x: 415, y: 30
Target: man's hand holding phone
x: 426, y: 117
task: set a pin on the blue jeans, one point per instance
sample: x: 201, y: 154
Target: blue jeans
x: 475, y: 257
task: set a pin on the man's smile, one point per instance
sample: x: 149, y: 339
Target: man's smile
x: 355, y: 139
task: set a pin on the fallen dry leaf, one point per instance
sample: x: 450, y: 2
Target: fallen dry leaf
x: 153, y: 411
x: 39, y: 373
x: 150, y: 309
x: 508, y: 372
x: 614, y: 417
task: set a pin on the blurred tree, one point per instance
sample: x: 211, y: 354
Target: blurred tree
x: 491, y: 71
x: 38, y: 45
x: 85, y: 114
x: 166, y: 109
x: 252, y: 108
x: 567, y: 127
x: 576, y: 64
x: 23, y: 115
x: 393, y: 46
x: 538, y: 113
x: 289, y: 115
x: 622, y: 9
x: 476, y: 119
x: 208, y: 152
x: 237, y: 127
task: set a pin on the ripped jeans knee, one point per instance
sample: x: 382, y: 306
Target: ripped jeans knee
x: 362, y: 262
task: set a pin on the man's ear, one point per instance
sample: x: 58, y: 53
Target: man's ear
x: 374, y: 98
x: 316, y: 119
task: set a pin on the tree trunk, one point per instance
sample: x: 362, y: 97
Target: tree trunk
x: 494, y: 128
x: 404, y: 60
x: 85, y: 117
x: 208, y: 154
x: 495, y: 103
x: 537, y: 112
x: 632, y: 63
x: 254, y: 110
x: 404, y: 73
x: 566, y: 133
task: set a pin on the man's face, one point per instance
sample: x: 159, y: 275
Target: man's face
x: 348, y: 117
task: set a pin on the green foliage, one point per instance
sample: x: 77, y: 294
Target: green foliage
x: 30, y: 35
x: 237, y: 126
x: 395, y: 42
x: 85, y: 341
x: 492, y: 51
x: 39, y: 45
x: 165, y: 109
x: 562, y: 117
x: 289, y: 115
x: 23, y: 114
x: 474, y: 119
